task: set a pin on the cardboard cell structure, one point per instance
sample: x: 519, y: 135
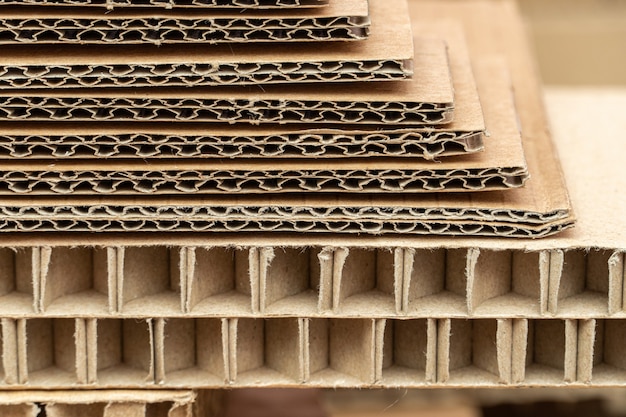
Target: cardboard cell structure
x: 168, y: 4
x: 386, y: 54
x: 350, y: 281
x: 325, y: 352
x: 340, y: 20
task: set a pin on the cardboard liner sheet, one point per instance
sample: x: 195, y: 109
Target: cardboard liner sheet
x: 170, y: 4
x: 387, y: 54
x: 341, y: 20
x: 426, y: 99
x: 126, y: 280
x: 101, y: 403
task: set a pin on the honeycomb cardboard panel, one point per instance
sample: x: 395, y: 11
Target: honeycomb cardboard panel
x: 347, y: 316
x: 291, y: 280
x: 317, y: 352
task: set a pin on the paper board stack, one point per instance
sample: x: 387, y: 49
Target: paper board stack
x: 286, y: 148
x: 324, y: 177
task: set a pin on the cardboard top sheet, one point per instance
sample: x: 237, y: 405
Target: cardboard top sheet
x: 340, y: 20
x: 386, y: 54
x: 169, y: 4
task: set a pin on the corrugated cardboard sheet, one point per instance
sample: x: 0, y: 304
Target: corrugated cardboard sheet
x: 164, y: 141
x: 426, y: 99
x: 502, y: 166
x: 386, y: 54
x: 340, y: 20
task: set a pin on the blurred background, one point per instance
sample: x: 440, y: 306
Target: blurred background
x: 578, y: 42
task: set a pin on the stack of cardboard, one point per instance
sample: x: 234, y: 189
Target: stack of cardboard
x: 259, y: 141
x: 287, y: 149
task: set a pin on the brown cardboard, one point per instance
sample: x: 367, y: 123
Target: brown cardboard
x: 551, y: 203
x: 339, y: 20
x: 190, y: 350
x: 292, y: 279
x: 99, y: 403
x: 501, y: 312
x: 170, y: 106
x: 170, y: 142
x: 168, y: 4
x: 552, y: 220
x: 427, y: 99
x: 386, y: 54
x: 360, y: 352
x: 502, y: 167
x: 180, y: 141
x: 464, y: 335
